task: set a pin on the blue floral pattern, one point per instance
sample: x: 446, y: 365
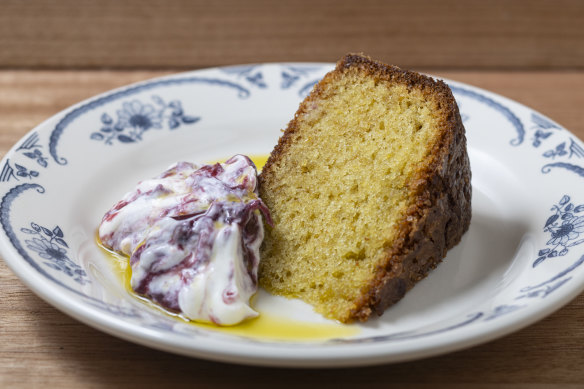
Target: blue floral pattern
x: 559, y: 151
x: 572, y: 150
x: 564, y: 227
x: 564, y: 151
x: 135, y: 118
x: 293, y: 74
x: 543, y: 129
x: 249, y: 73
x: 50, y: 245
x: 9, y: 172
x: 30, y: 148
x: 290, y: 75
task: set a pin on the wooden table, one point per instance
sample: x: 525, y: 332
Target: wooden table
x: 41, y: 347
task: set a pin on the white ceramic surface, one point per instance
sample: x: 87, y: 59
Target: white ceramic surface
x: 519, y: 262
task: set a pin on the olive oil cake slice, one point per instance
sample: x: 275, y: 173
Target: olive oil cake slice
x: 368, y: 188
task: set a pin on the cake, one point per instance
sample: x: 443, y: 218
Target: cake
x: 368, y: 187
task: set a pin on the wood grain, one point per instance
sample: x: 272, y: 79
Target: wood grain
x: 453, y: 34
x: 41, y: 347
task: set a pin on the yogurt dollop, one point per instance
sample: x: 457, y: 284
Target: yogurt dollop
x: 193, y: 236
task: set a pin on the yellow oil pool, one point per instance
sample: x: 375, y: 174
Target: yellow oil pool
x: 266, y: 326
x: 258, y: 160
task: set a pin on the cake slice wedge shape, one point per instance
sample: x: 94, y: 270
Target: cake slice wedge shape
x: 368, y: 187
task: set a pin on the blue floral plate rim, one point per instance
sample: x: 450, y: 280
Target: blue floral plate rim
x: 42, y: 253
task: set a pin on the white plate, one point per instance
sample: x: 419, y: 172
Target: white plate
x: 520, y: 260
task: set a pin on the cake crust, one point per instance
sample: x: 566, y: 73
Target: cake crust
x: 441, y: 209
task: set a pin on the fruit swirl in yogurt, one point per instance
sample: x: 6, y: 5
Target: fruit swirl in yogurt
x: 193, y: 236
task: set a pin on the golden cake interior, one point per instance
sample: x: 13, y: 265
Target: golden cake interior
x: 343, y: 186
